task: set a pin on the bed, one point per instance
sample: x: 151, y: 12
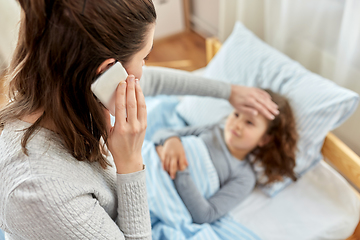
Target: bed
x: 327, y: 202
x: 322, y: 204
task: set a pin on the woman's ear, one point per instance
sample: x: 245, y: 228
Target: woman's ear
x: 265, y: 140
x: 105, y: 65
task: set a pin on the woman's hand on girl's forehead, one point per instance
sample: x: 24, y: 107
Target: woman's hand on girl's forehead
x: 253, y: 101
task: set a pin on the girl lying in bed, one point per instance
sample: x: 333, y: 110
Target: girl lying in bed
x: 272, y: 144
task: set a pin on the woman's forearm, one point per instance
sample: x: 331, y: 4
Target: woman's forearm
x: 133, y: 211
x: 167, y: 81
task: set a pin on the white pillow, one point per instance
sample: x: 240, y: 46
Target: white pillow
x: 319, y: 105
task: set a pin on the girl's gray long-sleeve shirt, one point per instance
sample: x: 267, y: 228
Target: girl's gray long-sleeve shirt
x: 236, y: 177
x: 48, y: 194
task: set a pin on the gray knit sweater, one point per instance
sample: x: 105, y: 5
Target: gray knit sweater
x: 48, y: 194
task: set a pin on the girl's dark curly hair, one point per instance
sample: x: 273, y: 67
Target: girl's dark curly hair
x: 278, y: 156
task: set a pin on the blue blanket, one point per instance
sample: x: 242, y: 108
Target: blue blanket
x: 169, y: 217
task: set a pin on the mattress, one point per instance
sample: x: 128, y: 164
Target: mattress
x: 320, y: 205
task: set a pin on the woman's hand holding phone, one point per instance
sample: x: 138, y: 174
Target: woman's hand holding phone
x: 127, y: 135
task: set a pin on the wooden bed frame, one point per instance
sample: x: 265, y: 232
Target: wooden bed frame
x: 335, y: 152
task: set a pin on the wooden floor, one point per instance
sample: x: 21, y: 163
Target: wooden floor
x: 184, y: 51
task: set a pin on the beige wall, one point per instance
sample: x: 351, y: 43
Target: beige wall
x: 9, y: 18
x: 170, y: 21
x: 170, y: 18
x: 205, y: 16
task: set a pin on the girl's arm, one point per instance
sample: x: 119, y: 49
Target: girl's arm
x: 208, y: 210
x: 162, y: 135
x: 170, y: 150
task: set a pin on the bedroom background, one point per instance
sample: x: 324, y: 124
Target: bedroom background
x: 322, y: 35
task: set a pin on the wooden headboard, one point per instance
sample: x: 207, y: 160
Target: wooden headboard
x: 339, y: 156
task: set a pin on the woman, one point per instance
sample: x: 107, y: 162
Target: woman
x: 56, y: 178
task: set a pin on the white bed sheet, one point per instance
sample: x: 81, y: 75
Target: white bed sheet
x: 320, y: 205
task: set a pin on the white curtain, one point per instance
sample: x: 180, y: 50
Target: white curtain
x: 323, y: 35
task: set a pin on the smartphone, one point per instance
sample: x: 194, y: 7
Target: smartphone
x: 105, y: 86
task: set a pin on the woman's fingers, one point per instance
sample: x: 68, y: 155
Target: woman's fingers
x: 264, y: 94
x: 261, y: 103
x: 247, y: 110
x: 262, y: 109
x: 127, y: 136
x: 120, y: 104
x: 141, y: 105
x: 266, y: 107
x: 131, y: 105
x: 242, y: 97
x: 265, y: 99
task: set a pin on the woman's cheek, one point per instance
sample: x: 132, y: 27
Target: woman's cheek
x: 137, y: 72
x: 138, y: 76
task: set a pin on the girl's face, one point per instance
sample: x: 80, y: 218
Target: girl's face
x: 134, y: 66
x: 244, y: 132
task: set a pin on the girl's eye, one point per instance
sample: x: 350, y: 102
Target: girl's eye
x: 146, y: 58
x: 249, y: 122
x: 236, y: 114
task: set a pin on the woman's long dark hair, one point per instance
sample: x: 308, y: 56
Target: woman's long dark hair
x: 61, y: 44
x: 278, y: 156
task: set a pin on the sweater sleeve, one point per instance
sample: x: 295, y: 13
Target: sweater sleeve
x: 133, y: 210
x: 226, y: 198
x: 167, y: 81
x: 53, y: 208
